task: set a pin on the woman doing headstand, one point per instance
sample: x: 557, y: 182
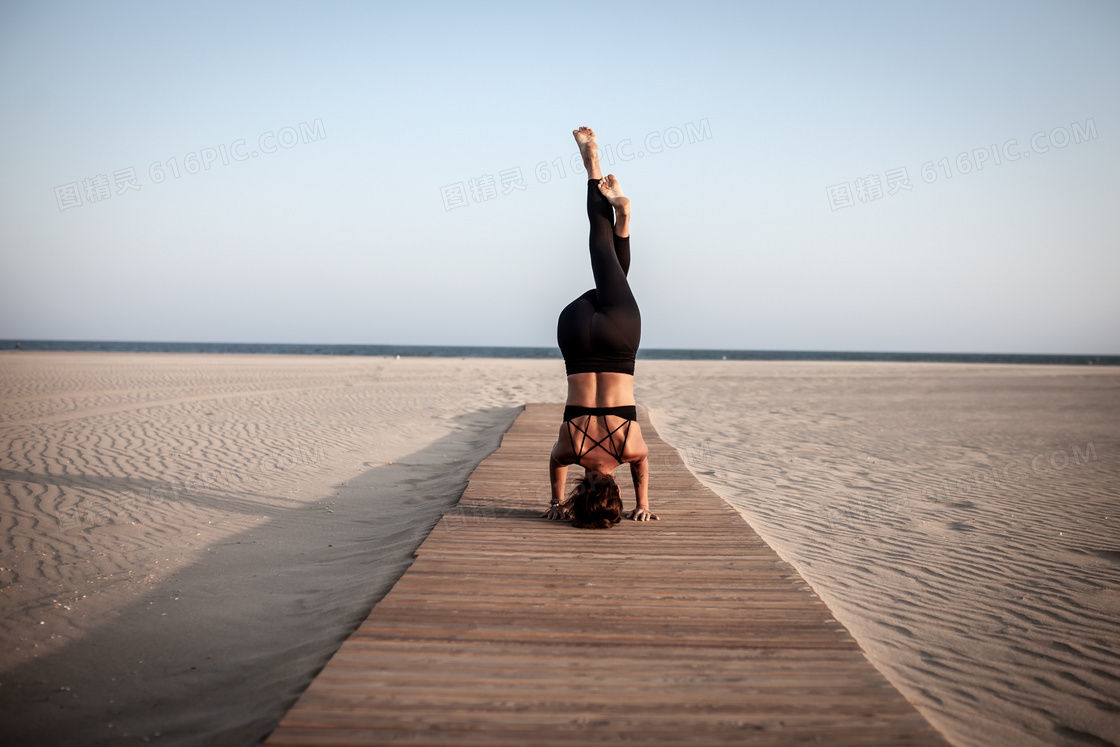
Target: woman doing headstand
x: 598, y: 334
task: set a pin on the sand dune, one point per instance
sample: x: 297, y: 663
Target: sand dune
x: 187, y: 538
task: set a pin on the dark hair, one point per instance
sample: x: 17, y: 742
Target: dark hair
x: 596, y: 503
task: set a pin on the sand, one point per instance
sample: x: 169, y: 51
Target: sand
x: 188, y: 538
x: 962, y: 521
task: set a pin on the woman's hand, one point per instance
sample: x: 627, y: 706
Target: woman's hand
x: 641, y: 513
x: 555, y: 513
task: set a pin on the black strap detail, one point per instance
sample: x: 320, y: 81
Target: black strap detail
x: 628, y: 413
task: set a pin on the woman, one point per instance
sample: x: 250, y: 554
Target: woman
x: 598, y: 334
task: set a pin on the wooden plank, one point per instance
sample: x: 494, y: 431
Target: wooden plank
x: 508, y: 629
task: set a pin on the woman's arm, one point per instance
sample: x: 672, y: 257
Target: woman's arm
x: 558, y: 473
x: 639, y: 470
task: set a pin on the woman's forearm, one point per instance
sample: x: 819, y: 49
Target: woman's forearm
x: 558, y: 474
x: 639, y: 470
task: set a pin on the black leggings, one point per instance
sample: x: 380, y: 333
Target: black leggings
x: 600, y: 330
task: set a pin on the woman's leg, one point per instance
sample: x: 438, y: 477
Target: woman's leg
x: 620, y: 238
x: 622, y: 251
x: 606, y: 264
x: 622, y: 235
x: 604, y: 320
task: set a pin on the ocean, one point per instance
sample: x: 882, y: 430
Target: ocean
x: 471, y: 351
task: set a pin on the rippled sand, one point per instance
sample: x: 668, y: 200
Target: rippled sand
x: 962, y: 521
x: 187, y: 538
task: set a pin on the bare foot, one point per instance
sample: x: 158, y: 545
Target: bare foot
x: 588, y: 151
x: 612, y: 190
x: 588, y: 148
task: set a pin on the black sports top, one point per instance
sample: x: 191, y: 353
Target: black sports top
x: 628, y: 413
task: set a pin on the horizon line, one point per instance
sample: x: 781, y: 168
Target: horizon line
x: 553, y: 352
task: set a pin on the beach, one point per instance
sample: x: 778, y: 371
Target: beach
x: 189, y: 537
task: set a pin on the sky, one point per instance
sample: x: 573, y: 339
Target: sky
x: 896, y: 177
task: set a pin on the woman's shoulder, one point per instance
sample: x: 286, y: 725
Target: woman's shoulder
x: 562, y: 450
x: 635, y: 445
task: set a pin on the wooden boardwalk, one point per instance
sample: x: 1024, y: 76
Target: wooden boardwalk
x: 511, y: 630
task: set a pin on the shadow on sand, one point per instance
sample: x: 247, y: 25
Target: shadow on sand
x: 218, y: 652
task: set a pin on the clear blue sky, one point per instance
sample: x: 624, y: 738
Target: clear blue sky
x: 773, y: 228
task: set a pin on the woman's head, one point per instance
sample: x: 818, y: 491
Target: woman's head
x: 596, y: 503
